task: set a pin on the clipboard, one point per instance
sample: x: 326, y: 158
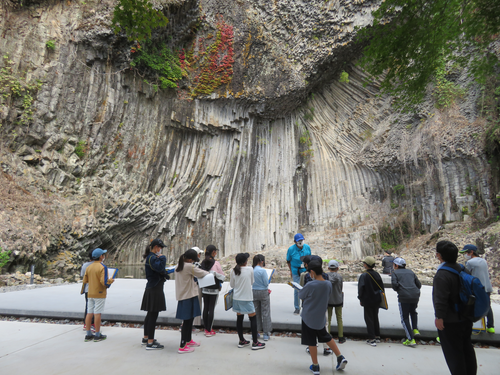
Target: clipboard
x: 228, y: 300
x: 294, y: 285
x: 112, y: 273
x: 206, y: 281
x: 170, y: 269
x: 270, y: 273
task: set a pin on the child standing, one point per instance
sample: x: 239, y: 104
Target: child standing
x: 210, y: 294
x: 336, y: 299
x: 242, y: 280
x: 261, y: 299
x: 407, y: 285
x: 315, y: 296
x: 153, y: 300
x: 96, y: 275
x: 186, y: 293
x: 85, y: 290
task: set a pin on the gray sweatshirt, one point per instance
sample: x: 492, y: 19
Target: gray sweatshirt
x: 406, y: 284
x: 336, y: 294
x: 314, y: 296
x: 479, y: 268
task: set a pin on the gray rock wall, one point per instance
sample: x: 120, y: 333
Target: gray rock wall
x: 296, y: 150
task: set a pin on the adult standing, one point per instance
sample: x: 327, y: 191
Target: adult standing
x: 153, y: 300
x: 478, y: 267
x: 387, y: 263
x: 261, y: 300
x: 454, y: 331
x: 293, y: 255
x: 369, y: 285
x: 210, y: 294
x: 407, y: 285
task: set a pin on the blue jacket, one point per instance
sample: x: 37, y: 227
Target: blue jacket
x: 155, y: 269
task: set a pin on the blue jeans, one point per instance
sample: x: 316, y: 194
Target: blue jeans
x: 296, y: 278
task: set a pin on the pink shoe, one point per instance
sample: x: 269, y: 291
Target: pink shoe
x: 192, y: 343
x: 208, y: 334
x: 212, y: 332
x: 185, y: 349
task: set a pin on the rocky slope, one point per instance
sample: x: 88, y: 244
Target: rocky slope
x: 108, y: 160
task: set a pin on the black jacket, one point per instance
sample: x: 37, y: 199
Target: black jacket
x: 446, y: 294
x: 368, y: 291
x: 155, y: 269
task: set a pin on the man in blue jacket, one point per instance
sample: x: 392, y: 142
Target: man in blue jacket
x: 299, y: 249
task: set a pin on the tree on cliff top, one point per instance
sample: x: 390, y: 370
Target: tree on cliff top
x: 410, y: 38
x: 137, y: 18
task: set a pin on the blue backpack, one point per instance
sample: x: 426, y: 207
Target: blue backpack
x: 474, y: 301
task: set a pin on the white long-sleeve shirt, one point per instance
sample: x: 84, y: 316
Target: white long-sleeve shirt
x: 242, y: 284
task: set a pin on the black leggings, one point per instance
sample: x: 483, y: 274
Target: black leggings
x: 150, y: 324
x: 208, y: 310
x: 253, y: 327
x: 186, y: 331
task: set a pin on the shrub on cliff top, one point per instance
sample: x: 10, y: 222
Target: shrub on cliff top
x: 137, y: 18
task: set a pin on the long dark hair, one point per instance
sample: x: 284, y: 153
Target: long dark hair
x: 189, y: 254
x: 207, y: 263
x: 241, y: 259
x: 257, y: 259
x: 147, y: 251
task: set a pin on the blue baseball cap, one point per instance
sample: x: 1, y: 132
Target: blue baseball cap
x: 468, y: 248
x: 298, y: 237
x: 96, y: 254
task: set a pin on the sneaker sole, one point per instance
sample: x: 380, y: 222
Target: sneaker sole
x: 342, y: 365
x: 258, y: 347
x: 99, y: 340
x: 154, y: 348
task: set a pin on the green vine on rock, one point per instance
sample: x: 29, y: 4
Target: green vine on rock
x: 445, y: 92
x: 157, y: 60
x: 210, y: 60
x: 16, y: 90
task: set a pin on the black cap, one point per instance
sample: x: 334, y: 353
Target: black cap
x: 242, y: 258
x: 157, y: 242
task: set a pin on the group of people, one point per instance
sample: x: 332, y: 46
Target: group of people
x: 321, y: 293
x: 454, y: 330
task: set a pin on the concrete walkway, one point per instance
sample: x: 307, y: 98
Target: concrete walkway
x: 125, y: 296
x: 49, y: 349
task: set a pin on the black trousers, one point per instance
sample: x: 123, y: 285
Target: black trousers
x: 371, y: 320
x: 489, y: 317
x: 150, y: 324
x: 208, y: 310
x: 407, y: 311
x: 457, y: 348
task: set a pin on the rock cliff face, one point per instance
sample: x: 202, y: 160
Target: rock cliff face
x: 108, y: 160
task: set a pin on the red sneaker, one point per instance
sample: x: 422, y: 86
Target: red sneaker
x: 192, y: 343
